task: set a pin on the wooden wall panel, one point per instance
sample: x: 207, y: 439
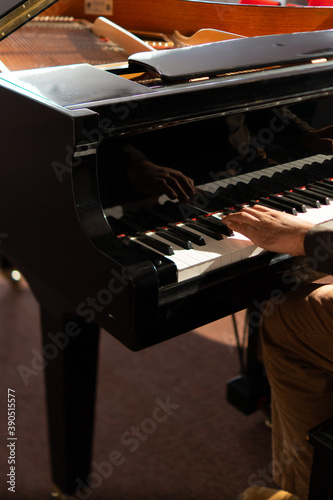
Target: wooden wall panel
x: 188, y: 16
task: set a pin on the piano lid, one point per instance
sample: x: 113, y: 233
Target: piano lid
x: 235, y: 55
x: 16, y: 13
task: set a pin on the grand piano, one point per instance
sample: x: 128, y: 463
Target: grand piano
x: 103, y: 246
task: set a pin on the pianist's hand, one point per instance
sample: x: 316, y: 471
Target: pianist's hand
x: 319, y: 139
x: 151, y: 179
x: 270, y: 229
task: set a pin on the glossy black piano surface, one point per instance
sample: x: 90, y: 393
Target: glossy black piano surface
x: 93, y: 243
x: 100, y: 249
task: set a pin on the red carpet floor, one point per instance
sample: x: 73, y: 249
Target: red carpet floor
x: 203, y: 450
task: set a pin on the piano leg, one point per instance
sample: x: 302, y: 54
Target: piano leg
x: 70, y: 348
x: 250, y: 390
x: 254, y: 366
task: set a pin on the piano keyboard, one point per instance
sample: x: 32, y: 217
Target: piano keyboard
x: 204, y: 243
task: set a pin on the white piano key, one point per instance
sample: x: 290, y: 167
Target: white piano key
x: 220, y: 253
x: 191, y: 262
x: 185, y: 269
x: 231, y: 249
x: 318, y: 215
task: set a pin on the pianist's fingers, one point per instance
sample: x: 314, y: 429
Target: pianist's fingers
x: 182, y: 185
x: 270, y: 229
x: 172, y: 183
x: 148, y: 178
x: 319, y: 140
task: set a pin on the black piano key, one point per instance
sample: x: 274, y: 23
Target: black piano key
x: 300, y: 207
x: 251, y: 189
x: 239, y: 207
x: 277, y: 184
x: 165, y: 233
x: 329, y: 182
x: 303, y: 176
x: 317, y: 170
x: 277, y: 206
x: 260, y: 187
x: 324, y: 200
x: 243, y: 191
x: 299, y: 179
x: 281, y: 181
x: 227, y: 197
x: 327, y: 165
x: 320, y: 189
x: 216, y: 224
x: 326, y: 186
x: 302, y: 199
x: 184, y: 233
x: 228, y: 210
x: 156, y: 244
x: 201, y: 228
x: 295, y: 177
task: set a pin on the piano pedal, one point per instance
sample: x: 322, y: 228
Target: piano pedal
x: 248, y: 394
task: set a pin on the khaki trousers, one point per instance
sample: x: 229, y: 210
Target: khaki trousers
x: 297, y: 343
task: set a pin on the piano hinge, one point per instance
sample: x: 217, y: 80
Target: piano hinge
x: 85, y: 150
x: 21, y: 15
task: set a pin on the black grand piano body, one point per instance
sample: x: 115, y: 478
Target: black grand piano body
x: 57, y: 132
x: 53, y: 220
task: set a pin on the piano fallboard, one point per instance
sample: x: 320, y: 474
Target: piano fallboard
x: 93, y: 230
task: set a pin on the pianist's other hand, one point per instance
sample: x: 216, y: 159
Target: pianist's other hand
x: 148, y: 178
x: 319, y: 139
x: 270, y: 229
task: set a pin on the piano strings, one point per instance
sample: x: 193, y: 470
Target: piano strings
x: 48, y: 42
